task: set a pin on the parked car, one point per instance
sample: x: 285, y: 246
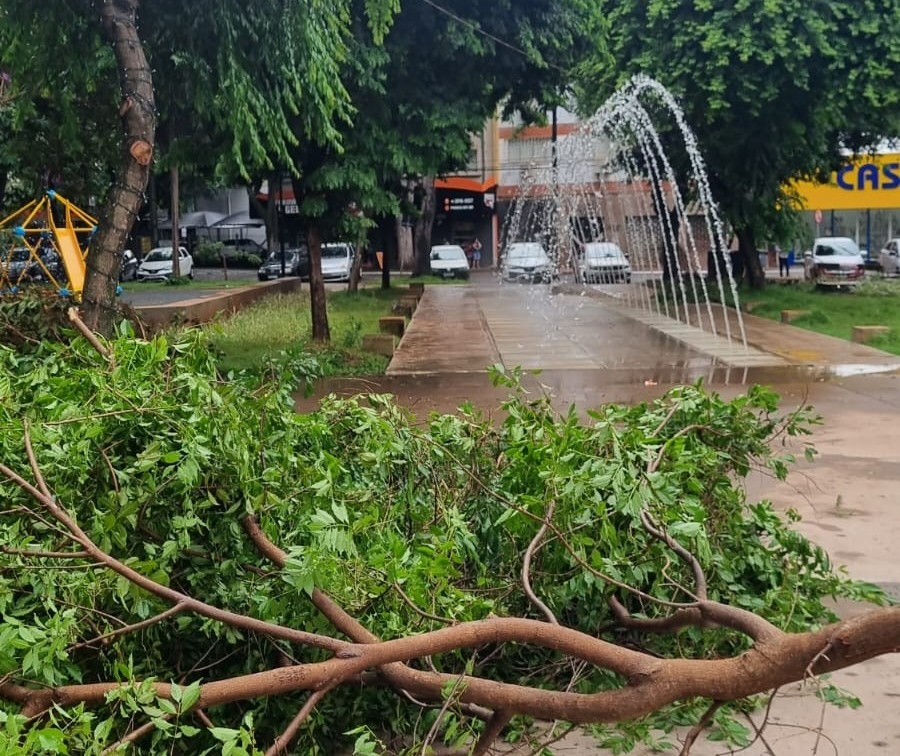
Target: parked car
x: 449, y: 261
x: 527, y: 261
x: 890, y: 258
x: 129, y: 266
x: 296, y: 263
x: 337, y: 261
x: 835, y: 261
x: 243, y: 248
x: 50, y: 267
x: 602, y: 262
x: 157, y: 265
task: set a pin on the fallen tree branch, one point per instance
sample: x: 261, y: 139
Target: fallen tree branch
x: 175, y: 597
x: 89, y: 334
x: 651, y: 683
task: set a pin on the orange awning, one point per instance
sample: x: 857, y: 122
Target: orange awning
x: 465, y: 185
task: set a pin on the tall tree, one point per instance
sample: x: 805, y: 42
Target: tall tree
x: 773, y: 88
x: 267, y: 65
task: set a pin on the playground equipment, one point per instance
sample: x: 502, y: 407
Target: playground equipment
x: 46, y: 242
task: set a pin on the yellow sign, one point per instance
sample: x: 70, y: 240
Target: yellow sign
x: 868, y: 183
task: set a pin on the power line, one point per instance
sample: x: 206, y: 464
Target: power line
x: 478, y: 30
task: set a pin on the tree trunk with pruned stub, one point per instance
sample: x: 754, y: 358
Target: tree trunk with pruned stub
x: 118, y: 20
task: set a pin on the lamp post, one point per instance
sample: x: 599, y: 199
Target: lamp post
x: 281, y: 216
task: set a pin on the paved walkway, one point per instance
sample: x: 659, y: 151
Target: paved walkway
x: 466, y: 329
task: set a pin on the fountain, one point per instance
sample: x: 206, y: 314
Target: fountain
x: 675, y: 242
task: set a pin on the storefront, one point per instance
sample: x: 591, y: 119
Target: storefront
x: 466, y: 210
x: 862, y: 201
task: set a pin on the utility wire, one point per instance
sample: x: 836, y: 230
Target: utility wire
x: 478, y: 30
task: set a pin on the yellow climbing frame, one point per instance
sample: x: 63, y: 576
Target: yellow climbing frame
x: 46, y: 242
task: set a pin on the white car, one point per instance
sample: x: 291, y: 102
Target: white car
x: 527, y: 261
x: 449, y: 261
x: 602, y: 262
x: 836, y: 261
x: 157, y: 265
x: 337, y: 261
x: 890, y: 257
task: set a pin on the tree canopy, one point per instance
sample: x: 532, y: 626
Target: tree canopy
x: 773, y: 89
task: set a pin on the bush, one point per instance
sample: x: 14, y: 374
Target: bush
x: 208, y: 254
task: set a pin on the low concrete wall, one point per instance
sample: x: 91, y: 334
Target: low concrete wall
x: 204, y: 309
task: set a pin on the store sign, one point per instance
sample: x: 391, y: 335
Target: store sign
x: 459, y: 204
x: 871, y: 182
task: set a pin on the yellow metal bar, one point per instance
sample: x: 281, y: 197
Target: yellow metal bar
x: 17, y: 213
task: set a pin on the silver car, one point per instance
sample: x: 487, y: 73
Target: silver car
x: 528, y: 261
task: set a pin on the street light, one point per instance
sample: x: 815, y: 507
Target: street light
x: 281, y: 216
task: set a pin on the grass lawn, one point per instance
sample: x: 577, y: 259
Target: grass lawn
x: 834, y: 313
x: 282, y: 323
x: 186, y: 285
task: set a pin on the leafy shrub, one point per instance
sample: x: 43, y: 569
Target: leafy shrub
x: 208, y: 254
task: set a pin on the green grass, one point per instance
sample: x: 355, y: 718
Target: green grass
x: 834, y: 313
x: 438, y: 281
x: 185, y: 285
x: 282, y: 323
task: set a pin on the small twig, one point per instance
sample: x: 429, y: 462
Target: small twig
x: 177, y: 609
x: 699, y: 576
x: 701, y: 725
x: 38, y: 554
x: 283, y: 741
x: 448, y: 701
x: 135, y: 735
x: 526, y: 565
x: 203, y: 717
x: 421, y: 612
x: 89, y: 334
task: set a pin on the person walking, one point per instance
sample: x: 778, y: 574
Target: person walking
x: 476, y: 253
x: 784, y: 262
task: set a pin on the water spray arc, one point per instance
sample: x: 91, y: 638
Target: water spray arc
x: 666, y: 221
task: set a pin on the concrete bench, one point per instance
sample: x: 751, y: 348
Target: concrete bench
x: 379, y: 343
x: 789, y: 316
x: 864, y: 334
x: 393, y: 324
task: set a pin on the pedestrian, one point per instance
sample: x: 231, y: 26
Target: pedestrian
x: 476, y: 253
x: 784, y: 262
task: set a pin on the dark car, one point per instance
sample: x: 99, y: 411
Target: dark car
x: 50, y: 268
x: 296, y: 263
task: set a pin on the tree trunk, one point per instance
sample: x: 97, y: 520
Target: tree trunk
x: 406, y: 253
x: 389, y: 250
x: 318, y: 308
x: 138, y: 115
x: 423, y: 227
x: 356, y: 271
x: 154, y: 213
x: 752, y: 268
x: 176, y: 230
